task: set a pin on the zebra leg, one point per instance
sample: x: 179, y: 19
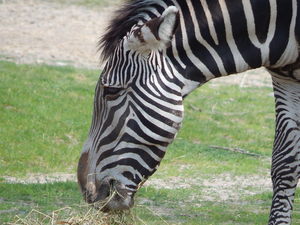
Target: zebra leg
x: 286, y: 149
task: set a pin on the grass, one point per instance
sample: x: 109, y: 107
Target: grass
x: 44, y: 117
x: 162, y: 206
x: 45, y: 112
x: 233, y: 116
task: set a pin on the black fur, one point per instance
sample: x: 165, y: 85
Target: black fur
x: 125, y: 18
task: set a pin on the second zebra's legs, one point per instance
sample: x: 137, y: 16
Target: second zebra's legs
x: 286, y: 150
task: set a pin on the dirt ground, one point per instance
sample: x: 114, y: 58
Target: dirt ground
x: 44, y: 32
x: 220, y: 187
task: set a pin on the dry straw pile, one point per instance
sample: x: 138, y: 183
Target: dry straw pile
x: 82, y: 215
x: 85, y: 215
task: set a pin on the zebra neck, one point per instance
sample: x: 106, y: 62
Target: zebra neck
x: 219, y: 38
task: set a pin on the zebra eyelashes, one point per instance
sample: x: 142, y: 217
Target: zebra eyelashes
x: 111, y: 93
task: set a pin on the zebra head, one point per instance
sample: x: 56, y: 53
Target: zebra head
x: 137, y: 113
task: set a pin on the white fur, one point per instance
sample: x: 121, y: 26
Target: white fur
x: 167, y: 26
x: 165, y: 33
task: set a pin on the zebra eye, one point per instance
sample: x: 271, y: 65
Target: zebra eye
x: 111, y: 91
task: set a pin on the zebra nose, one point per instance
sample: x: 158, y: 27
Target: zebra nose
x: 111, y: 196
x: 105, y: 189
x: 97, y: 193
x: 89, y: 192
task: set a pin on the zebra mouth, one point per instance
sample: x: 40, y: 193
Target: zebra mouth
x: 109, y: 195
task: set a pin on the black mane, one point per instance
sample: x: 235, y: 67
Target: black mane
x: 125, y: 17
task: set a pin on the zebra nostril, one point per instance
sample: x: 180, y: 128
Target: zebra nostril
x: 105, y: 188
x: 112, y: 184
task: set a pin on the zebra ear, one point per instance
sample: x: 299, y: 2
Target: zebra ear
x: 155, y: 34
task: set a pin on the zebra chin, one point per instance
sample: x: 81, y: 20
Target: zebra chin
x: 108, y: 195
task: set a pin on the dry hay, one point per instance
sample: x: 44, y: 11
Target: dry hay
x: 84, y: 214
x: 79, y: 215
x: 74, y: 217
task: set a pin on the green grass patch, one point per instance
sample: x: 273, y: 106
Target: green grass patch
x: 233, y: 116
x: 45, y: 113
x: 20, y: 199
x: 152, y: 206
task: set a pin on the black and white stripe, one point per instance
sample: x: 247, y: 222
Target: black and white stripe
x: 138, y: 102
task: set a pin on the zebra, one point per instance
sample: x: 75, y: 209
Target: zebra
x: 156, y: 52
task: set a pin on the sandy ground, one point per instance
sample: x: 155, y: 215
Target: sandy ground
x: 220, y: 187
x: 42, y: 32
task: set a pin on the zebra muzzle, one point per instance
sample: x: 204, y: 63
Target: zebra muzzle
x: 109, y: 195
